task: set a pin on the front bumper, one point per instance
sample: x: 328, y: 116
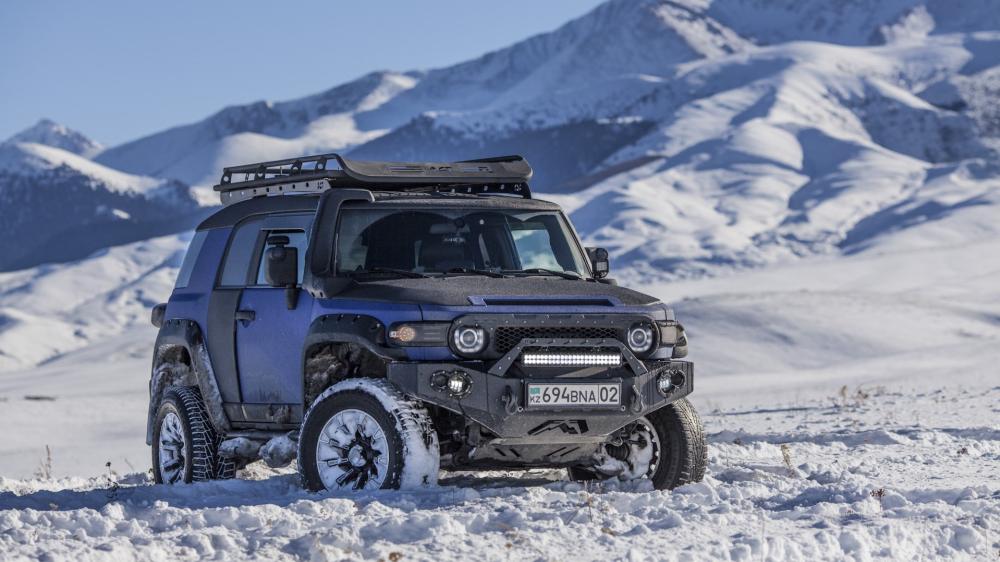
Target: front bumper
x: 497, y: 401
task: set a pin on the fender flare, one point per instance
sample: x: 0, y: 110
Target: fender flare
x: 362, y: 330
x: 187, y: 335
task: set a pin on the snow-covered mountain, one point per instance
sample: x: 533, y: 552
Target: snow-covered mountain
x: 50, y: 133
x: 264, y: 130
x: 687, y: 136
x: 51, y: 309
x: 58, y: 205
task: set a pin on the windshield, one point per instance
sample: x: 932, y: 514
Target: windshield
x: 438, y: 241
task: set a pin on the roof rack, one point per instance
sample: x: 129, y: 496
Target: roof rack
x: 503, y: 175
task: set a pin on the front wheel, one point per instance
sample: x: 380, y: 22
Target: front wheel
x: 363, y: 434
x: 667, y: 446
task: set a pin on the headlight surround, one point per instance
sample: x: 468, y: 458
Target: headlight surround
x: 640, y: 337
x: 469, y: 340
x: 419, y: 334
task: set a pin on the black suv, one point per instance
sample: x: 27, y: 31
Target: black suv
x: 382, y: 320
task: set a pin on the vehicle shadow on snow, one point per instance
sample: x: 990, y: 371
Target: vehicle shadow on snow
x: 281, y: 490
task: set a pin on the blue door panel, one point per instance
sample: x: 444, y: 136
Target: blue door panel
x: 269, y: 348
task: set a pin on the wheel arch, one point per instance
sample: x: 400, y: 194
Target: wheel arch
x: 342, y: 346
x: 180, y: 358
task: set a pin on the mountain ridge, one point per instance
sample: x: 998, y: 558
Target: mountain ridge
x: 690, y: 136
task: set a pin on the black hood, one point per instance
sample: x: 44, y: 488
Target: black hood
x: 457, y: 290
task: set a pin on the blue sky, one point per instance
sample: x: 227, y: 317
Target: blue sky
x: 117, y: 70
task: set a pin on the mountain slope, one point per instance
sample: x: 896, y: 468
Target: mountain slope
x: 59, y: 206
x: 570, y: 58
x: 197, y: 152
x: 687, y: 136
x: 798, y: 149
x: 50, y: 310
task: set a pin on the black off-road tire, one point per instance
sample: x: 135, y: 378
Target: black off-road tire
x: 225, y: 469
x: 684, y: 450
x: 405, y: 424
x: 201, y: 442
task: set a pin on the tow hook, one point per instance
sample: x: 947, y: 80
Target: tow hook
x: 509, y: 401
x: 638, y: 404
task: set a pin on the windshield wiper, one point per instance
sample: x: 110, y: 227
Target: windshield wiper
x: 391, y: 270
x: 474, y: 271
x: 543, y: 271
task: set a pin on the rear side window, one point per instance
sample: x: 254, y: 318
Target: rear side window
x: 187, y: 266
x: 240, y: 254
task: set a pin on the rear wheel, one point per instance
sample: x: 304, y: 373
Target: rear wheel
x: 184, y: 442
x: 363, y: 434
x: 667, y: 446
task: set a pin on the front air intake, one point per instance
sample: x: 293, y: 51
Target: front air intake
x: 542, y: 359
x: 506, y: 337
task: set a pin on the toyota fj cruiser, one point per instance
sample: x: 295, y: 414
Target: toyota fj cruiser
x: 382, y: 320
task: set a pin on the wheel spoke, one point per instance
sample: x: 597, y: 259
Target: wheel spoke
x: 362, y: 480
x: 348, y: 477
x: 340, y: 463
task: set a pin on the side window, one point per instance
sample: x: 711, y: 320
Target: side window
x: 240, y: 253
x: 296, y: 239
x: 187, y: 266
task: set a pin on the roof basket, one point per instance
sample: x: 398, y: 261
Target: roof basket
x: 504, y: 175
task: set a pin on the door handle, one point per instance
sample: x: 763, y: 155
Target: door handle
x: 246, y: 316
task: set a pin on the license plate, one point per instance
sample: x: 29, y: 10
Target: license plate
x: 578, y: 394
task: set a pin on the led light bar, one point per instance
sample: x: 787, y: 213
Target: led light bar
x: 571, y: 359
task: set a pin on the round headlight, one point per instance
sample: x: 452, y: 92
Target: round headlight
x: 469, y: 339
x: 640, y: 338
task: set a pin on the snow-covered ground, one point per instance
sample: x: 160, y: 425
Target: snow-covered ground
x: 851, y: 403
x: 890, y: 472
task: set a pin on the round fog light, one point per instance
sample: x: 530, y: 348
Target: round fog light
x: 456, y: 383
x: 459, y: 384
x: 669, y: 382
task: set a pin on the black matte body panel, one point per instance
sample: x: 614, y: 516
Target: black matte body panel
x: 222, y: 307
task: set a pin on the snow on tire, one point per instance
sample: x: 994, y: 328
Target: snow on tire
x: 366, y: 434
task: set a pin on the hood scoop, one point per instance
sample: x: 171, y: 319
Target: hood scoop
x: 543, y: 301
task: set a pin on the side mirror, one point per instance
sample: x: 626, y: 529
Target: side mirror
x: 282, y: 267
x: 599, y: 262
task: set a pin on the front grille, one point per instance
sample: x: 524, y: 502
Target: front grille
x: 506, y: 337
